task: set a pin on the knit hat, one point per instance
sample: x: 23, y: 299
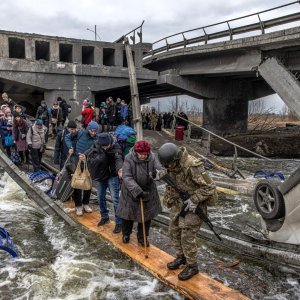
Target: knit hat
x: 85, y: 102
x: 72, y: 124
x: 142, y: 147
x: 93, y: 126
x: 39, y: 122
x: 104, y: 139
x: 7, y: 110
x: 17, y: 114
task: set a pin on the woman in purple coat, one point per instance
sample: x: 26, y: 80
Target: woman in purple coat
x: 19, y: 132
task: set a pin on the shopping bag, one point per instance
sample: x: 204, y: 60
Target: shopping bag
x: 81, y: 179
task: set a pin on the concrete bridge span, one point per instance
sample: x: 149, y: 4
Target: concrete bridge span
x: 228, y: 74
x: 35, y: 67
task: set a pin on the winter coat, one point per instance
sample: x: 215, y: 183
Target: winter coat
x: 43, y: 114
x: 115, y: 159
x: 36, y: 137
x: 64, y: 108
x: 19, y: 133
x: 56, y: 113
x: 97, y: 163
x: 136, y: 179
x: 187, y: 175
x: 84, y: 141
x: 88, y: 115
x: 124, y: 112
x: 61, y: 150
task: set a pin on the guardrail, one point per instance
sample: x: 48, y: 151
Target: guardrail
x: 230, y: 32
x: 136, y: 31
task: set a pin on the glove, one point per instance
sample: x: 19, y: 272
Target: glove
x: 190, y: 205
x: 144, y: 196
x: 158, y: 174
x: 29, y: 147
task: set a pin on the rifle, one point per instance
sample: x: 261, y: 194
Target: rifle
x: 185, y: 196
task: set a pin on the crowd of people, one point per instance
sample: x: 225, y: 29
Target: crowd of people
x: 130, y: 178
x: 155, y: 121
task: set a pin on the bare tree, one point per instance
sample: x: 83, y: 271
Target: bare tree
x: 260, y: 117
x: 172, y: 105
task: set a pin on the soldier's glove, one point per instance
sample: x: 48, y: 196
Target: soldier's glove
x: 190, y: 205
x: 158, y: 174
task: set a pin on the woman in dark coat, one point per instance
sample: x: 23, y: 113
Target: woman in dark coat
x: 20, y: 128
x: 138, y: 184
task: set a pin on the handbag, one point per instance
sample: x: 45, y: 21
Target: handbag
x: 8, y: 141
x: 15, y: 157
x: 54, y: 121
x: 81, y: 180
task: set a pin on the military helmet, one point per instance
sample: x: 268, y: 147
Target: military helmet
x: 167, y: 153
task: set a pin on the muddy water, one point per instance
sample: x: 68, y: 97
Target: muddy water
x: 57, y: 262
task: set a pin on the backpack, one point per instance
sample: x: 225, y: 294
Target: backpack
x: 123, y: 132
x: 8, y: 141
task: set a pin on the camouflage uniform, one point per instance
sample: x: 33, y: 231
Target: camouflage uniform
x: 153, y: 120
x: 187, y: 174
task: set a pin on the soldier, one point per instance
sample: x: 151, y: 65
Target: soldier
x: 153, y: 119
x: 189, y: 174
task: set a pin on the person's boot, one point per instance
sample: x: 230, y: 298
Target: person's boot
x: 175, y: 264
x: 118, y: 228
x: 87, y: 208
x: 188, y: 272
x: 141, y: 241
x: 79, y: 211
x: 126, y: 239
x: 103, y: 222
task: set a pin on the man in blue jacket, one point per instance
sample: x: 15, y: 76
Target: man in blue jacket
x: 85, y: 139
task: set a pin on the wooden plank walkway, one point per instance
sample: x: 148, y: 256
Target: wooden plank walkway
x: 201, y: 286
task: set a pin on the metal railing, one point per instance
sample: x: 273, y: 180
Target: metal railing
x: 208, y: 141
x: 230, y: 32
x: 136, y: 31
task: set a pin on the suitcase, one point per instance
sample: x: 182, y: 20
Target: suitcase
x: 61, y: 189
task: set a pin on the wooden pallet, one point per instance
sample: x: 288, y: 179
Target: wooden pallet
x: 201, y: 286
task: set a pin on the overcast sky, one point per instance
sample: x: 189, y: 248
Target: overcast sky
x: 70, y: 18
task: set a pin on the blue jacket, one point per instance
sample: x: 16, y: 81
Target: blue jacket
x: 84, y: 141
x: 124, y: 112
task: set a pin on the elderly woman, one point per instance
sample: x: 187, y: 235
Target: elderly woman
x: 138, y: 185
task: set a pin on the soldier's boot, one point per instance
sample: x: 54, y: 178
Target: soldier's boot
x: 188, y: 272
x: 175, y: 264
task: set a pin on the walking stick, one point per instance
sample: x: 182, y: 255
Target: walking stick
x: 144, y: 229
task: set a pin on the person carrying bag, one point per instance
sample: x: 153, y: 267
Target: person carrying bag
x: 81, y: 179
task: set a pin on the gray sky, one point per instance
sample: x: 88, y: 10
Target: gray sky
x: 70, y: 18
x: 113, y: 18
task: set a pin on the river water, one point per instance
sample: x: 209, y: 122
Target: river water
x: 57, y: 262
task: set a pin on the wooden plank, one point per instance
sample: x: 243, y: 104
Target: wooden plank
x: 201, y: 286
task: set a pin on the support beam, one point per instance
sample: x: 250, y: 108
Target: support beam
x: 283, y: 82
x: 223, y: 116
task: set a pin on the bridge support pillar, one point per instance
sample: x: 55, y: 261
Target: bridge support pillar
x: 74, y: 98
x: 224, y: 116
